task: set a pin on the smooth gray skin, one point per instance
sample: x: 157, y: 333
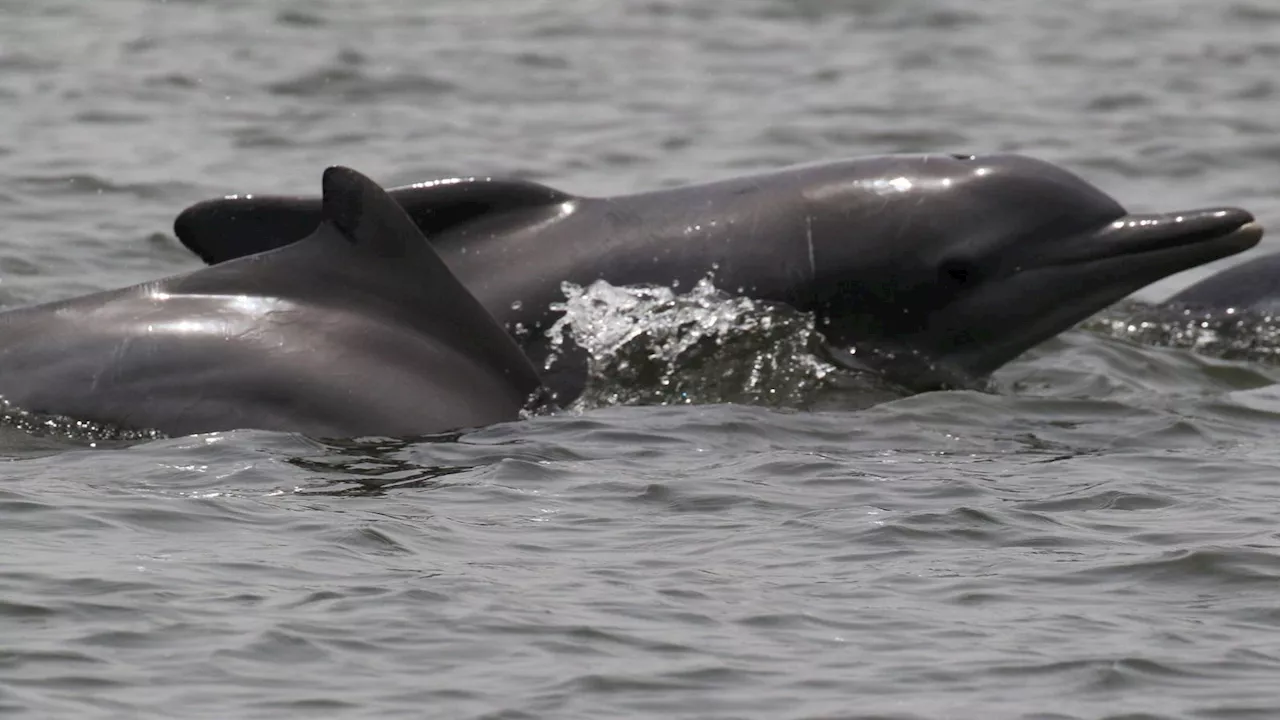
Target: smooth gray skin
x: 935, y: 269
x: 359, y: 329
x: 1252, y: 286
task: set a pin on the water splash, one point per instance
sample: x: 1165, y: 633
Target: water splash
x: 650, y: 345
x: 66, y: 428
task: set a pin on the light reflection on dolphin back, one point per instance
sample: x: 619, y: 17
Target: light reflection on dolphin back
x: 189, y: 314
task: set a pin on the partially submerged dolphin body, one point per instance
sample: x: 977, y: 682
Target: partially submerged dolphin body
x: 932, y: 270
x: 358, y: 329
x: 1252, y: 286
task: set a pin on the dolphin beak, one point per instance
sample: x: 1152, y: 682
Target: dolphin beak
x: 1215, y: 232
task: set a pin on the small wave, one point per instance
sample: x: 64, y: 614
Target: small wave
x: 14, y: 62
x: 83, y: 184
x: 1254, y: 13
x: 876, y: 14
x: 1222, y: 567
x: 350, y: 83
x: 110, y: 117
x: 300, y: 18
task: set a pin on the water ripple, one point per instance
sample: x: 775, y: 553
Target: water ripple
x: 727, y: 529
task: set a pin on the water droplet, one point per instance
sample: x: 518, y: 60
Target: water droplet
x: 651, y: 345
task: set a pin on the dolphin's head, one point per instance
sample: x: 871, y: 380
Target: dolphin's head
x: 936, y: 270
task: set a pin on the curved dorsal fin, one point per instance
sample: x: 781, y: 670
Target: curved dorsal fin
x: 231, y: 227
x: 366, y: 216
x: 426, y: 292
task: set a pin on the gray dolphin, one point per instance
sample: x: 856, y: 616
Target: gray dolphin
x: 933, y: 270
x: 1252, y: 286
x: 358, y: 329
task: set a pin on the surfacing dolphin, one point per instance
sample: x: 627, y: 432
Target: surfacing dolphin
x: 933, y: 270
x: 1252, y: 286
x: 358, y: 329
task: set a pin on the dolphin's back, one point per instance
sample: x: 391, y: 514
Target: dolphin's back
x: 358, y: 330
x: 1251, y: 286
x: 189, y: 364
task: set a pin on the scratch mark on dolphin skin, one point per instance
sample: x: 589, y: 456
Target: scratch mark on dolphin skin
x: 808, y: 236
x: 117, y: 358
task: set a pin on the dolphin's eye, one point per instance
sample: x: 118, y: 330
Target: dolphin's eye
x: 962, y: 157
x: 957, y: 272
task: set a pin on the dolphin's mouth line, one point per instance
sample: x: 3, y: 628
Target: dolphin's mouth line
x: 1250, y: 231
x: 1136, y: 235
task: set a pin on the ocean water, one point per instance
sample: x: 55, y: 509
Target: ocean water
x: 722, y: 537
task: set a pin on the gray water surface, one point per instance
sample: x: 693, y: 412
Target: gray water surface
x: 1094, y: 538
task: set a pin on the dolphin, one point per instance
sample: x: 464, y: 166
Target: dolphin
x: 358, y: 329
x: 930, y: 270
x: 1251, y: 286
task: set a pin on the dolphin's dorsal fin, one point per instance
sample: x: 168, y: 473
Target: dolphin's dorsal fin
x: 367, y: 217
x: 356, y: 210
x: 236, y: 226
